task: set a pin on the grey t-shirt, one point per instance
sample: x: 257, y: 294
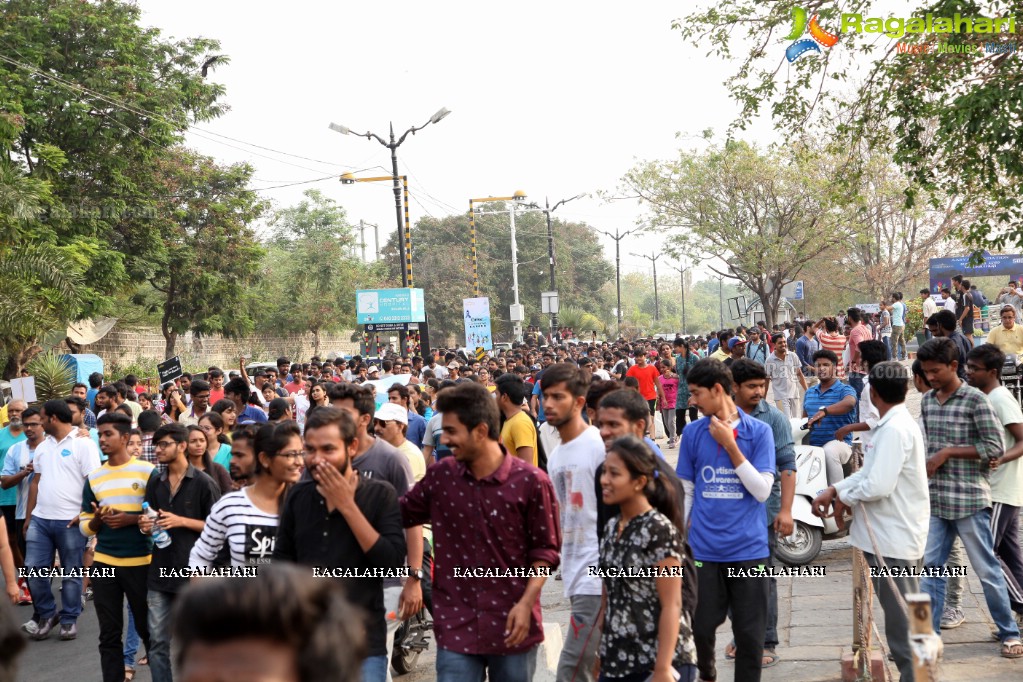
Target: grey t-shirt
x: 383, y: 462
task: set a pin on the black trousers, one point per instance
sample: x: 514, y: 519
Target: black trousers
x: 108, y: 597
x: 747, y: 599
x: 680, y: 418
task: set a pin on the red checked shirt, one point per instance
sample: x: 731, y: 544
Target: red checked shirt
x: 505, y: 521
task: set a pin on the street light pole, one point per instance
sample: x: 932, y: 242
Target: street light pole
x: 516, y: 324
x: 550, y: 251
x: 393, y: 144
x: 653, y: 259
x: 618, y: 269
x: 721, y: 302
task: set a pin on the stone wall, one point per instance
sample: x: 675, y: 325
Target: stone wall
x: 145, y: 345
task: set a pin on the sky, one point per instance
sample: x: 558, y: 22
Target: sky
x: 551, y: 98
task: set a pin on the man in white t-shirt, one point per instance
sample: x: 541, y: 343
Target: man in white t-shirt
x: 390, y: 423
x: 62, y: 463
x: 572, y: 467
x: 783, y: 371
x: 983, y: 371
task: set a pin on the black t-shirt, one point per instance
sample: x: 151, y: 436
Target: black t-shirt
x: 310, y: 534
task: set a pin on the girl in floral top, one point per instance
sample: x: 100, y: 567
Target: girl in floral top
x: 646, y: 633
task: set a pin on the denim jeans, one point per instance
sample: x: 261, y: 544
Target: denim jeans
x: 160, y: 605
x: 455, y: 667
x: 856, y: 381
x: 975, y: 532
x: 374, y: 669
x: 44, y: 537
x: 886, y: 339
x: 131, y: 642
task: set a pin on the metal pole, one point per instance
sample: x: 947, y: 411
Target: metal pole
x: 683, y: 302
x: 618, y: 279
x: 408, y: 232
x: 517, y: 324
x: 362, y: 238
x: 475, y: 257
x: 657, y: 307
x: 550, y: 257
x: 402, y: 254
x: 376, y: 240
x: 721, y: 302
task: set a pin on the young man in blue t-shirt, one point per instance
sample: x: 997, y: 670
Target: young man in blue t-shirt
x: 727, y: 463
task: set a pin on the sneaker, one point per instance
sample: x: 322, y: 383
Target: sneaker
x: 45, y: 628
x: 88, y: 594
x: 31, y: 627
x: 68, y: 631
x: 952, y: 617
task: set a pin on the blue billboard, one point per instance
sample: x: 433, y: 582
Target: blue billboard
x: 374, y: 306
x: 944, y: 269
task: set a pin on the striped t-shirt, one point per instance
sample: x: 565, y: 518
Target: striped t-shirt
x: 836, y: 344
x: 249, y: 531
x: 123, y: 488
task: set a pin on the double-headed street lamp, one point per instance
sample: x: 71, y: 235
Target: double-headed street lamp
x: 393, y: 145
x: 618, y: 237
x: 406, y: 244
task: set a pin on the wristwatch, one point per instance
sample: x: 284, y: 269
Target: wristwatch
x: 415, y: 573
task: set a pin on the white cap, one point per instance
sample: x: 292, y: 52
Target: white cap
x: 392, y: 412
x: 373, y: 369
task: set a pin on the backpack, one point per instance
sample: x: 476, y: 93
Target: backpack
x: 541, y: 454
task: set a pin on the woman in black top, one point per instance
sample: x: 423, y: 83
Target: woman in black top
x: 647, y: 635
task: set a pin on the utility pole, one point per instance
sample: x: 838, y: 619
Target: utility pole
x: 721, y: 303
x: 618, y: 237
x: 550, y: 251
x: 516, y: 324
x: 682, y: 273
x: 362, y: 238
x: 653, y: 259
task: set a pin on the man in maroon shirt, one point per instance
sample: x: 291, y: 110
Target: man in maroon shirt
x: 649, y: 386
x: 496, y: 534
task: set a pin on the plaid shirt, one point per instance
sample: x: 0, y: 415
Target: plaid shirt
x: 149, y: 453
x: 961, y: 487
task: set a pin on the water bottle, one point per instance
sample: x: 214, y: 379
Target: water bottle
x: 161, y: 537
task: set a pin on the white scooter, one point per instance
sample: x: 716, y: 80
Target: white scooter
x: 808, y: 531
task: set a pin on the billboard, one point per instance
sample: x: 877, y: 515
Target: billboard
x: 476, y: 313
x: 944, y: 269
x: 376, y: 306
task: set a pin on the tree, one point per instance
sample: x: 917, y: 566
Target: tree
x: 951, y: 121
x: 310, y: 250
x: 765, y: 215
x: 442, y: 266
x: 203, y: 274
x: 83, y: 81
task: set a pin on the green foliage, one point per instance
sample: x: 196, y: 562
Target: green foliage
x: 914, y: 315
x: 765, y: 214
x: 951, y: 121
x: 53, y: 375
x: 309, y: 276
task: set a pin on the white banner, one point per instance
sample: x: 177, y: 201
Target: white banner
x: 476, y: 313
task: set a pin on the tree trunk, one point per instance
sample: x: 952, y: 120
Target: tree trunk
x: 17, y: 360
x: 768, y: 305
x: 316, y: 342
x: 170, y: 337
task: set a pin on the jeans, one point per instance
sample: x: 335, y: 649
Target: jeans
x: 1005, y: 530
x: 899, y: 342
x: 746, y: 597
x: 886, y: 339
x: 455, y: 667
x: 956, y: 584
x: 896, y: 625
x: 132, y: 641
x: 130, y: 582
x: 160, y: 605
x: 975, y: 532
x: 580, y: 649
x: 375, y: 669
x: 856, y: 381
x: 44, y: 537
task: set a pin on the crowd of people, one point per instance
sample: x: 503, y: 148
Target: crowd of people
x: 460, y: 486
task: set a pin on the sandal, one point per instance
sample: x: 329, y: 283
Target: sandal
x: 770, y: 659
x: 1012, y: 648
x: 144, y: 660
x: 129, y: 674
x: 730, y: 650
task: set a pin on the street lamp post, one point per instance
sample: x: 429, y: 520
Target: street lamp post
x: 618, y: 237
x: 653, y: 259
x: 550, y: 251
x: 516, y: 313
x: 406, y: 246
x: 406, y: 254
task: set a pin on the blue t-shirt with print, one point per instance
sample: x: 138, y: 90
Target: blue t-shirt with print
x: 727, y: 521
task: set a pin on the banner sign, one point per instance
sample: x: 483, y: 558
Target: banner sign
x: 393, y: 327
x: 374, y: 306
x: 169, y: 370
x: 476, y: 313
x: 944, y: 269
x: 793, y: 291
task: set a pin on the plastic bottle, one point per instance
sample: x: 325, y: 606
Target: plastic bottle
x: 161, y: 537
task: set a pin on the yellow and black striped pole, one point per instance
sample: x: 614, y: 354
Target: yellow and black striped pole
x: 475, y: 261
x: 408, y: 235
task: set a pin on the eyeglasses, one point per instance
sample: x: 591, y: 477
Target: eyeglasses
x: 381, y: 423
x: 165, y: 444
x: 31, y: 425
x: 296, y: 454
